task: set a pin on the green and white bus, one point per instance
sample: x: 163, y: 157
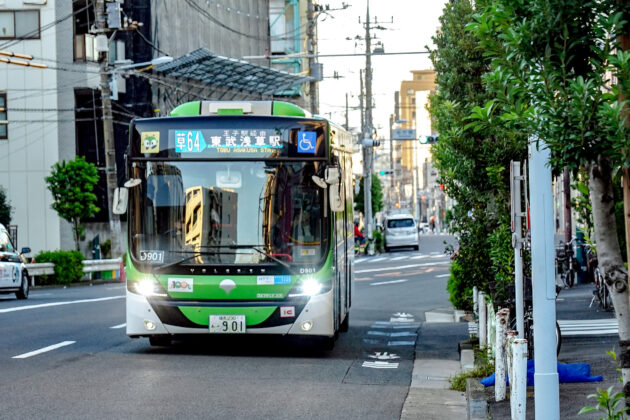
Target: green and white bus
x: 239, y: 222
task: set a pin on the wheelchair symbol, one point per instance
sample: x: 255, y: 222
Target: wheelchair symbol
x: 307, y: 142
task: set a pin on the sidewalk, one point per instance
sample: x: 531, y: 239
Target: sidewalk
x: 573, y: 304
x: 437, y: 360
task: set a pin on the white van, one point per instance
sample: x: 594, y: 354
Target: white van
x: 401, y: 231
x: 13, y: 275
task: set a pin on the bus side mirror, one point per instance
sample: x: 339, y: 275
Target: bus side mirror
x: 121, y: 199
x: 335, y: 192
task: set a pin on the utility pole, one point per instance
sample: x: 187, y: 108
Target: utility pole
x: 108, y: 131
x: 367, y: 133
x: 311, y: 47
x: 391, y: 161
x: 347, y: 126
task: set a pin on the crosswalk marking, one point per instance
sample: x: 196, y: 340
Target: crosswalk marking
x: 581, y: 327
x: 394, y: 257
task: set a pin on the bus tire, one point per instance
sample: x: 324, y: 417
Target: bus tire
x: 326, y: 343
x: 23, y: 292
x: 159, y: 340
x: 345, y: 325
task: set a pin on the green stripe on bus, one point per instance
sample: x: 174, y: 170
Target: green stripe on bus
x: 288, y: 109
x: 253, y: 315
x: 187, y: 109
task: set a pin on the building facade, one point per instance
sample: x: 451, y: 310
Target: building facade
x: 54, y: 114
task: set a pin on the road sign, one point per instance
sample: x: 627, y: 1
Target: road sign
x: 403, y: 134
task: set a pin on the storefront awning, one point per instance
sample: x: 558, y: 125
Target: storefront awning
x: 207, y: 67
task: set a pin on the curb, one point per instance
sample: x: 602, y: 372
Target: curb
x: 79, y: 284
x: 476, y: 399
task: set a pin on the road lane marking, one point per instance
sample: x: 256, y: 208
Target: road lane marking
x: 378, y: 259
x: 44, y: 350
x: 372, y: 270
x: 443, y: 275
x: 419, y: 256
x: 388, y: 282
x: 380, y: 365
x: 47, y: 305
x: 399, y: 258
x: 116, y: 288
x: 115, y: 327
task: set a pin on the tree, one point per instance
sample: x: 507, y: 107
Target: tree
x: 473, y: 164
x: 71, y: 185
x: 5, y: 208
x: 377, y: 196
x: 551, y: 62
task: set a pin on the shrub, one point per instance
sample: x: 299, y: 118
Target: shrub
x: 68, y: 266
x: 378, y: 241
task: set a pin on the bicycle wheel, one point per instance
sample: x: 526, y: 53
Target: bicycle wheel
x: 570, y: 277
x: 558, y: 338
x: 606, y: 299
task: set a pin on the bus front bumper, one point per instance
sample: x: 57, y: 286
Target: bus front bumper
x: 142, y: 320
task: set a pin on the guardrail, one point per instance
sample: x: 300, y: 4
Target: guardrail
x: 89, y: 266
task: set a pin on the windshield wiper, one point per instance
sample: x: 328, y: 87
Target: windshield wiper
x: 195, y: 254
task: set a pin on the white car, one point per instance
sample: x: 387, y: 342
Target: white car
x: 401, y: 231
x: 13, y: 275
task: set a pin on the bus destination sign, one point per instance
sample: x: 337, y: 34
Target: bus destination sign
x: 226, y: 141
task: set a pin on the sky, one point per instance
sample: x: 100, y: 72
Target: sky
x: 414, y: 23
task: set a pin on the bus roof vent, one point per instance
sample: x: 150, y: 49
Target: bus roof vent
x: 236, y: 107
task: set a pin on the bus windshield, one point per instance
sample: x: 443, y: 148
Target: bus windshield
x: 236, y: 212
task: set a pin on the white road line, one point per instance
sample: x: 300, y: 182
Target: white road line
x: 389, y: 282
x: 115, y: 327
x: 116, y: 288
x: 434, y: 252
x: 374, y: 270
x: 399, y: 258
x: 44, y: 350
x: 47, y: 305
x: 581, y: 327
x: 417, y: 257
x: 442, y: 275
x: 378, y: 259
x: 439, y: 256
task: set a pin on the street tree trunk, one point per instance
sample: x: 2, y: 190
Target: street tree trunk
x: 609, y: 254
x: 75, y: 230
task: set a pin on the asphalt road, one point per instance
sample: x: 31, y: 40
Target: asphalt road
x: 64, y: 354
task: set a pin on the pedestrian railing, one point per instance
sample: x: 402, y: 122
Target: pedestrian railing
x: 89, y: 266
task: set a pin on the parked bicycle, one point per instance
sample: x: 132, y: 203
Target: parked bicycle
x: 565, y: 263
x: 528, y: 318
x: 600, y: 292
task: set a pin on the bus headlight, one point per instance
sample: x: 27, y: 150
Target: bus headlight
x: 311, y: 287
x: 148, y: 287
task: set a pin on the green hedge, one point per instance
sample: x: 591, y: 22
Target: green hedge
x: 68, y: 266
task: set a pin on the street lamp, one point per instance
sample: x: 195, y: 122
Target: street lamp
x: 155, y: 62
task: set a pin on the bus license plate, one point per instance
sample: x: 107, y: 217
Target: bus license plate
x: 227, y: 324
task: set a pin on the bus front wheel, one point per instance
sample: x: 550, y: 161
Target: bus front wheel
x: 160, y: 340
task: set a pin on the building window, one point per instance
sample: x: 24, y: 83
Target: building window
x: 4, y: 125
x: 19, y: 24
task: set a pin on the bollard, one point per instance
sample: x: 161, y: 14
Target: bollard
x: 510, y: 337
x: 483, y: 335
x: 499, y: 359
x: 475, y: 301
x: 518, y: 385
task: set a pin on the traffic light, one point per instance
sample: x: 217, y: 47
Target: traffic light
x: 429, y: 139
x: 370, y: 142
x: 386, y: 172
